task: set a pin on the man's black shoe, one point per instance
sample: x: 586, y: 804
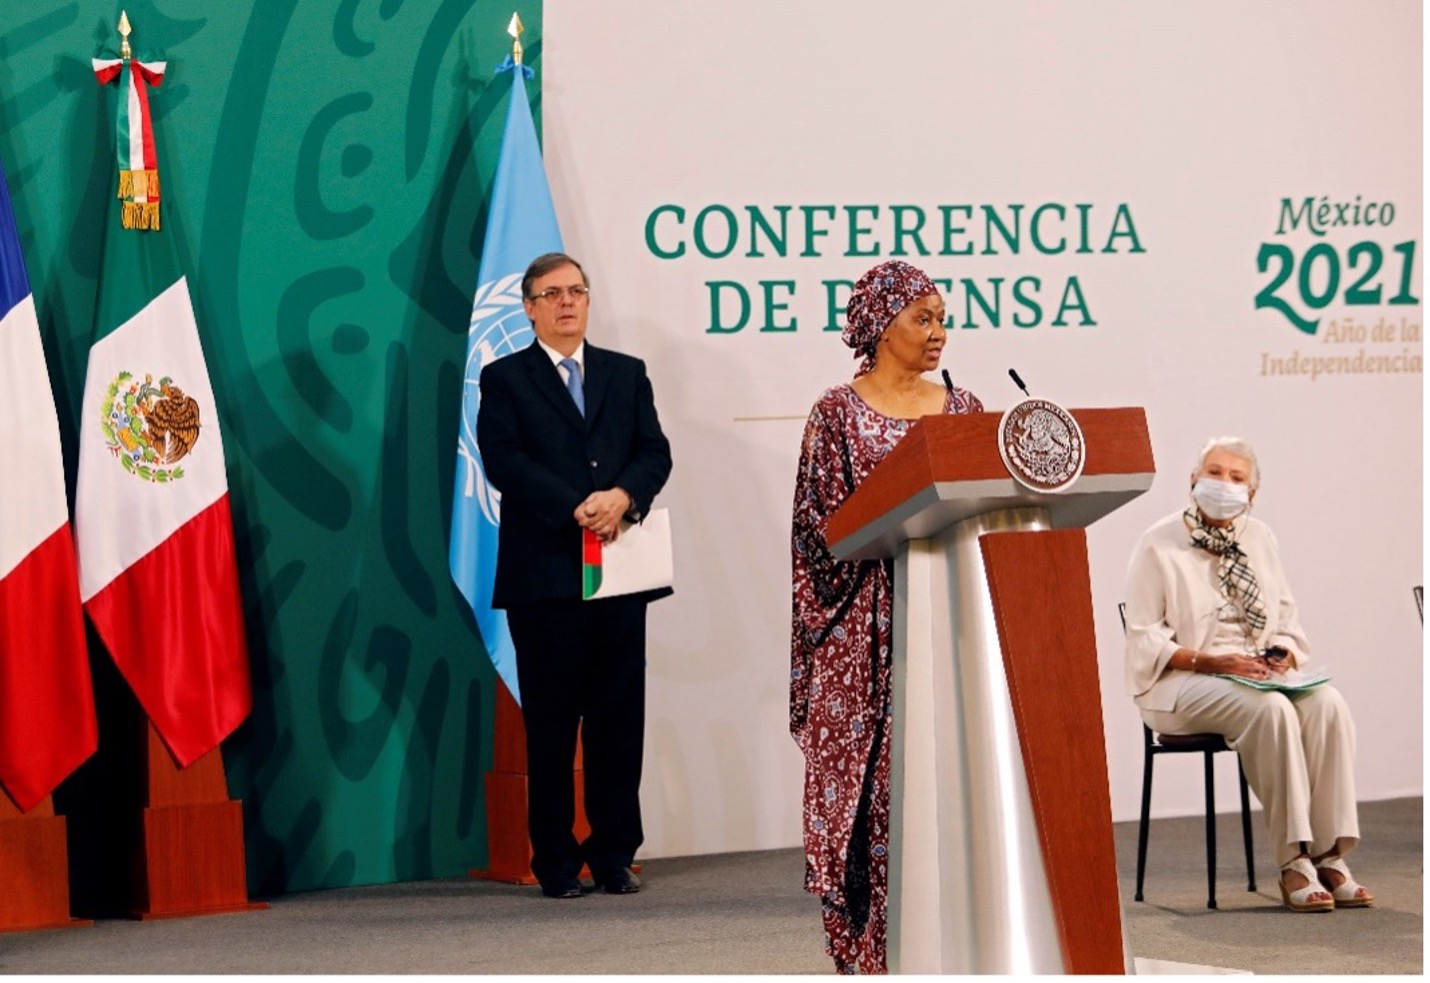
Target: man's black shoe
x: 563, y: 887
x: 621, y: 880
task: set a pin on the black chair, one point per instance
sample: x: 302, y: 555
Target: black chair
x: 1207, y: 745
x: 1154, y: 744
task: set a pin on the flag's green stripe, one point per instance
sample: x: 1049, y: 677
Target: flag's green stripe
x: 126, y: 83
x: 138, y: 266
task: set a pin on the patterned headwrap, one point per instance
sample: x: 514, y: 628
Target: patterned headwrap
x: 878, y: 298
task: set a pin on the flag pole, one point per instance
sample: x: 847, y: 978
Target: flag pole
x: 188, y: 856
x: 124, y: 31
x: 514, y: 29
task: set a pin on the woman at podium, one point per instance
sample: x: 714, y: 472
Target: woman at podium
x: 1214, y: 646
x: 840, y: 674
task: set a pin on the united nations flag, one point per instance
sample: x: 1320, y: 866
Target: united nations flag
x: 521, y: 226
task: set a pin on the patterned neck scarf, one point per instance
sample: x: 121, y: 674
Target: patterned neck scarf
x: 1238, y: 580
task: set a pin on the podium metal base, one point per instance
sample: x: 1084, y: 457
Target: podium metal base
x: 969, y: 886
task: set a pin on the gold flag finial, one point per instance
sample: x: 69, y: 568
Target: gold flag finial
x: 124, y: 31
x: 514, y: 29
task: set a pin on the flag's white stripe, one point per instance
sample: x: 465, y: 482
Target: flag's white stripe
x: 136, y: 124
x: 120, y: 517
x: 32, y: 479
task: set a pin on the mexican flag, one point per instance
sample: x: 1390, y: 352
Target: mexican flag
x: 156, y: 558
x: 47, y: 725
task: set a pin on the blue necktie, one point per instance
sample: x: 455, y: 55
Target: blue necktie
x: 573, y: 383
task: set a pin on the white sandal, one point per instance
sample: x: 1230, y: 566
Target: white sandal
x: 1299, y: 899
x: 1346, y: 893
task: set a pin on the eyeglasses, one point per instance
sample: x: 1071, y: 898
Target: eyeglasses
x: 553, y: 295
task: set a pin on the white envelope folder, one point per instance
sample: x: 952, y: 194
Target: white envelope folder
x: 640, y: 559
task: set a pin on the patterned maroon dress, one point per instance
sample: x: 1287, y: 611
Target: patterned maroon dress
x: 840, y: 688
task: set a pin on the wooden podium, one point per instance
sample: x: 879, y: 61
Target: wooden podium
x: 1001, y: 851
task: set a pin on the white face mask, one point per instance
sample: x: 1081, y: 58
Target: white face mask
x: 1220, y: 499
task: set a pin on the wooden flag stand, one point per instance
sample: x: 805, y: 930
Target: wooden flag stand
x: 34, y: 869
x: 508, y: 846
x: 190, y: 856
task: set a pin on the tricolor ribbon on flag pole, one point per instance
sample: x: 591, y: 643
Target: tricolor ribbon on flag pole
x: 134, y: 125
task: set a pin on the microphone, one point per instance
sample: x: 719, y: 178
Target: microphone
x: 947, y: 382
x: 1013, y: 374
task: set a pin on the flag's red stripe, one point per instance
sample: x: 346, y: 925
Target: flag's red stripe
x: 146, y: 122
x: 590, y: 548
x: 47, y: 726
x: 173, y: 622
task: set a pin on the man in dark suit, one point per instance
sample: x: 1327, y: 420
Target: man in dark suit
x: 569, y: 435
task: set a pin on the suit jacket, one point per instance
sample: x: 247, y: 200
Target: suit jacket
x: 545, y: 458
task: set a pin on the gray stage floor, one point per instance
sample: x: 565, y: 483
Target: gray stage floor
x: 745, y: 913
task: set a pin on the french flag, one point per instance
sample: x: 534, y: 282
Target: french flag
x: 47, y: 723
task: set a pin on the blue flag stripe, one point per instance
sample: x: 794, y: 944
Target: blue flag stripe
x: 521, y: 225
x: 14, y: 284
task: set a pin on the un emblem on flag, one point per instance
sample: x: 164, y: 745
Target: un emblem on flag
x: 499, y: 326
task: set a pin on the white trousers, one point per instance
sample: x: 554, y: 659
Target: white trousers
x: 1298, y: 753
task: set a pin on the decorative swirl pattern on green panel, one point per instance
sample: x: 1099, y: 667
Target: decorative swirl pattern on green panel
x: 326, y: 167
x: 314, y: 217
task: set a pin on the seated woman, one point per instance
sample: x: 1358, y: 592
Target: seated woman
x: 1207, y: 600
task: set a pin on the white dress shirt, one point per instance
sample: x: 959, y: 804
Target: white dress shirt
x: 579, y: 355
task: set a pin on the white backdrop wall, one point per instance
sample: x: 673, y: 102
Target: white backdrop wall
x: 1139, y: 156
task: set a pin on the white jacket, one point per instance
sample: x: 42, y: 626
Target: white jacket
x: 1174, y: 593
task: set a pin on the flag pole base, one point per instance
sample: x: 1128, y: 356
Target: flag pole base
x: 190, y: 856
x: 34, y: 867
x: 508, y: 846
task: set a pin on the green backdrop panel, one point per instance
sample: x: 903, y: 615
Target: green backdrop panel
x: 325, y: 166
